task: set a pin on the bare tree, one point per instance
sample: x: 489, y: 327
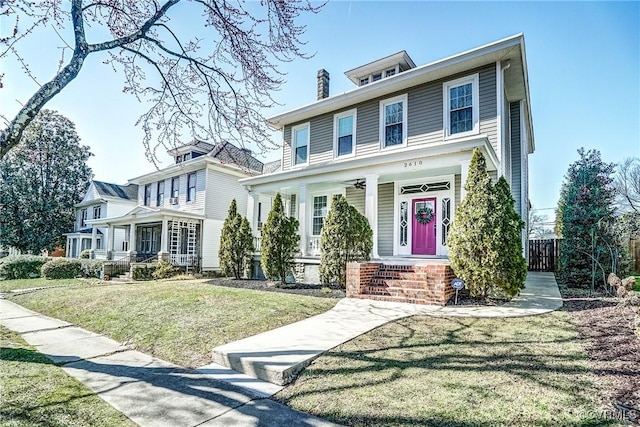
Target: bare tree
x: 537, y: 222
x: 201, y: 78
x: 627, y: 185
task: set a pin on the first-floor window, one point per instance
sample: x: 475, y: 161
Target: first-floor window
x: 191, y: 187
x: 319, y: 212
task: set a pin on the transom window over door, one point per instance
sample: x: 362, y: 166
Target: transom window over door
x: 461, y: 106
x: 393, y: 121
x: 345, y: 130
x: 319, y: 212
x: 300, y: 144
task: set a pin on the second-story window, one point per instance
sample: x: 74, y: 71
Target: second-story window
x: 300, y: 144
x: 147, y: 195
x: 160, y: 194
x: 96, y: 212
x: 461, y: 106
x: 191, y: 187
x: 345, y: 133
x: 393, y: 121
x: 83, y: 218
x: 175, y: 187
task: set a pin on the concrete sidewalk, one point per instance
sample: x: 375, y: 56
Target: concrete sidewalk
x: 279, y: 355
x: 150, y: 391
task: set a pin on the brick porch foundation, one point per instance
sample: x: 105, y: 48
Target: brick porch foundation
x: 427, y: 283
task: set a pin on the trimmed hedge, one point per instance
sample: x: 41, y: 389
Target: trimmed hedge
x: 143, y: 271
x: 164, y: 270
x: 62, y: 268
x: 21, y: 266
x: 91, y: 268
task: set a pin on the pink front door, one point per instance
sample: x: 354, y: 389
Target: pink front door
x: 423, y: 236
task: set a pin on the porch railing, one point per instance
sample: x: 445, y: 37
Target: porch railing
x: 257, y: 244
x: 184, y: 260
x: 313, y: 246
x: 146, y: 258
x: 117, y: 267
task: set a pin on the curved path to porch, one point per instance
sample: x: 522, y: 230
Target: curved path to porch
x: 278, y: 356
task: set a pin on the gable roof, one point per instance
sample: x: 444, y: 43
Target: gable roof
x: 107, y: 189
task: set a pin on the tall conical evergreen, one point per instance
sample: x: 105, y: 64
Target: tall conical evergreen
x: 470, y: 241
x: 511, y: 267
x: 346, y: 236
x: 236, y: 244
x: 279, y: 242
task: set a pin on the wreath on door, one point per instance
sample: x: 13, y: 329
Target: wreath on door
x: 424, y: 215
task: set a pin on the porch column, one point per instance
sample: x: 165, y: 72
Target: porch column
x: 302, y: 217
x: 164, y: 238
x: 371, y: 209
x: 132, y: 242
x: 252, y: 205
x: 94, y: 241
x: 68, y: 251
x: 464, y: 172
x: 111, y: 234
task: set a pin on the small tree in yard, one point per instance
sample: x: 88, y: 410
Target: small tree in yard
x: 471, y: 240
x: 584, y: 218
x: 346, y: 236
x: 511, y: 267
x: 279, y: 242
x: 485, y: 246
x: 236, y: 243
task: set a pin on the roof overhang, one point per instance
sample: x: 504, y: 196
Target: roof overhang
x: 191, y: 166
x: 433, y: 154
x: 401, y: 58
x: 142, y: 214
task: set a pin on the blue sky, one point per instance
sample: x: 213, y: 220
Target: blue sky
x: 583, y: 59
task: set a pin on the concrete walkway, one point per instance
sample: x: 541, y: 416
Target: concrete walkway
x: 279, y: 355
x: 150, y: 391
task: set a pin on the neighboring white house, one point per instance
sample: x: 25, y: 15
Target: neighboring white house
x: 179, y: 210
x: 399, y: 143
x: 102, y: 199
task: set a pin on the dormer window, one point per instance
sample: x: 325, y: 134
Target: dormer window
x: 390, y: 72
x: 179, y: 159
x: 187, y: 157
x: 376, y: 77
x: 364, y: 81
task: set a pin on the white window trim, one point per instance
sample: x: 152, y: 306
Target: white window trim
x: 313, y: 197
x: 293, y: 144
x: 475, y: 108
x: 404, y: 99
x: 336, y: 118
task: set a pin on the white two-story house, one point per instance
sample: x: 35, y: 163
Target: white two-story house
x: 101, y: 200
x: 180, y: 210
x: 401, y: 142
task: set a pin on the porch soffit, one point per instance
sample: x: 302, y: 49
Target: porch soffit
x: 142, y: 214
x: 420, y: 161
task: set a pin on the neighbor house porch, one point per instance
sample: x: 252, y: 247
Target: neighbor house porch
x: 151, y: 234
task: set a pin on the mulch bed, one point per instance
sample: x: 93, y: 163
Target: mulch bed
x: 291, y: 288
x: 614, y: 351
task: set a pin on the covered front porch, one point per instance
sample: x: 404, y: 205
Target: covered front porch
x: 150, y: 235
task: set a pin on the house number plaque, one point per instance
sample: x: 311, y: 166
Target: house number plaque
x: 413, y: 163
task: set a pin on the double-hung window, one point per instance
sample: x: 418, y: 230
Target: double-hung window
x: 160, y: 194
x: 461, y: 106
x: 83, y: 218
x: 175, y: 187
x: 319, y: 212
x: 96, y: 212
x: 191, y: 187
x: 344, y: 133
x: 147, y: 195
x: 300, y: 144
x: 393, y: 121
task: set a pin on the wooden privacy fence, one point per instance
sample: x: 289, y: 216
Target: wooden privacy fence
x: 544, y: 254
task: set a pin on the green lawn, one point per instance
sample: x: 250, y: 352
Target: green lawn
x: 10, y: 285
x: 33, y: 391
x: 454, y: 372
x: 636, y: 287
x: 179, y: 321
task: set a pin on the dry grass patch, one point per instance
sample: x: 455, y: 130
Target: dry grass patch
x: 454, y: 372
x: 179, y: 321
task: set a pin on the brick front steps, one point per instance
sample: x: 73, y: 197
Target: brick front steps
x: 417, y: 282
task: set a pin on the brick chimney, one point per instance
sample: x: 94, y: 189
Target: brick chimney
x: 323, y: 84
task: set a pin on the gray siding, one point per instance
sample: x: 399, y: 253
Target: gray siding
x: 385, y: 219
x: 424, y: 116
x: 516, y: 153
x: 356, y: 198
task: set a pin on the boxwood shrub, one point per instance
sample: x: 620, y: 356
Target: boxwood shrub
x: 21, y: 266
x: 62, y: 268
x: 91, y: 268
